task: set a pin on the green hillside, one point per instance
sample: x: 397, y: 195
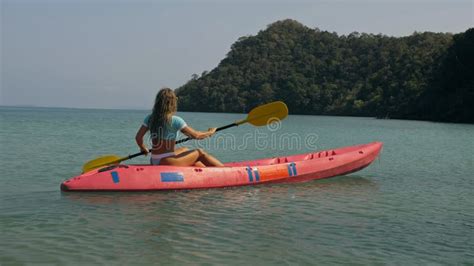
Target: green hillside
x: 422, y: 76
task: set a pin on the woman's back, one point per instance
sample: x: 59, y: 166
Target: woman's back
x: 164, y: 137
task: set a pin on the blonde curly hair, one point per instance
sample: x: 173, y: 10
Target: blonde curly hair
x: 166, y: 104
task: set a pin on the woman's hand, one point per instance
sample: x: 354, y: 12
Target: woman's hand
x: 211, y: 131
x: 144, y: 150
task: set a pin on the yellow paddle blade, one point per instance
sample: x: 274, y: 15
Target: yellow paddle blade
x: 101, y: 161
x: 266, y: 114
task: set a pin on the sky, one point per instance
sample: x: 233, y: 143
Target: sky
x: 118, y: 54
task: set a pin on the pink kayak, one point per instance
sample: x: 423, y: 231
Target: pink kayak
x: 295, y: 168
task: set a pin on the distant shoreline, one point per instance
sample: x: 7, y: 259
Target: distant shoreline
x: 76, y: 108
x: 130, y: 109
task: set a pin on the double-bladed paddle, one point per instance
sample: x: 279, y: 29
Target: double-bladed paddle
x: 259, y: 116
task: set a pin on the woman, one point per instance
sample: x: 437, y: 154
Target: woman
x: 164, y: 126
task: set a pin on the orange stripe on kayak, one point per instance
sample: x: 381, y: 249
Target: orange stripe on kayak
x: 273, y: 172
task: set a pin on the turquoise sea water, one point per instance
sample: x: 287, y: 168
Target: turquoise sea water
x: 414, y: 205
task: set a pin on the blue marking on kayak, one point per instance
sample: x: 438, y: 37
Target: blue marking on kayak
x: 294, y: 168
x: 290, y: 172
x: 249, y: 173
x: 172, y: 177
x: 257, y: 175
x: 115, y: 177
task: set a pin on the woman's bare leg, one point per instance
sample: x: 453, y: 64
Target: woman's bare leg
x: 189, y: 158
x: 180, y: 150
x: 208, y: 159
x: 199, y: 164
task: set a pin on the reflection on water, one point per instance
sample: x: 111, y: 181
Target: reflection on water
x: 189, y: 224
x: 231, y: 195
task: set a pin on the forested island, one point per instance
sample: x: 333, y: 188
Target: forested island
x: 427, y: 76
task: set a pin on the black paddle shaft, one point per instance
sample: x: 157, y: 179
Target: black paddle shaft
x: 183, y: 140
x: 218, y: 129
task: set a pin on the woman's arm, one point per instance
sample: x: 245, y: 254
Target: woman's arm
x: 139, y: 139
x: 194, y: 134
